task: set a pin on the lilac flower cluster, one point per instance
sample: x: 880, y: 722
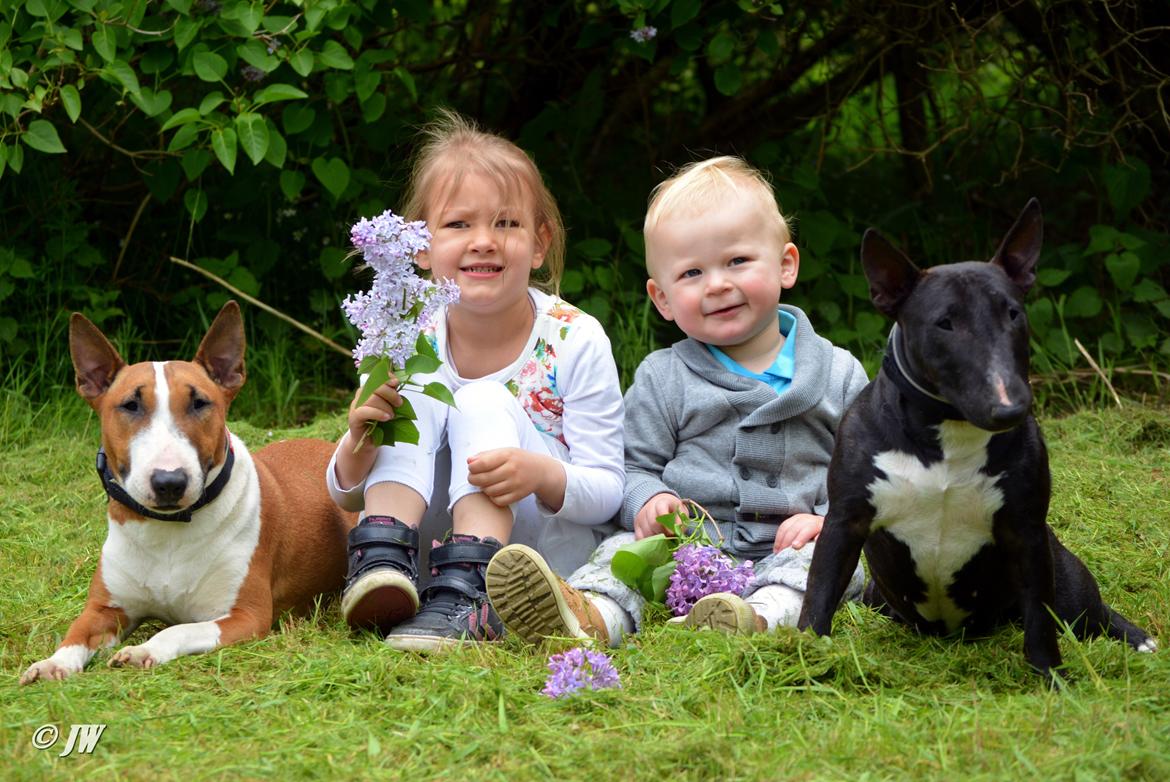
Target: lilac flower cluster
x: 579, y: 669
x: 701, y: 571
x: 399, y: 304
x: 644, y: 34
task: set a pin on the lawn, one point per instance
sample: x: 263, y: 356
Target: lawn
x: 874, y: 702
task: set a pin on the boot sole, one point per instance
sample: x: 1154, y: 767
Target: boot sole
x: 724, y: 612
x: 426, y: 644
x: 379, y: 601
x: 527, y: 597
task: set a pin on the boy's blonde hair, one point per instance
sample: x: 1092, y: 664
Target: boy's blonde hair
x: 454, y: 145
x: 696, y: 185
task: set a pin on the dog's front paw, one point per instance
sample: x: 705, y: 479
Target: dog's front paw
x: 47, y: 670
x: 1148, y: 645
x: 133, y: 657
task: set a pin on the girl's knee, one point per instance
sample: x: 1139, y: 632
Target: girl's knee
x: 483, y: 397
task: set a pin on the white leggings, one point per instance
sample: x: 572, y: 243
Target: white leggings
x: 486, y: 416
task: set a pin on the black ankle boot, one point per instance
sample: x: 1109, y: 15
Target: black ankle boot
x: 381, y: 587
x: 455, y: 607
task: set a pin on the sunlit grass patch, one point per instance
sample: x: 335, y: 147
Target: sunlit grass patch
x: 875, y: 701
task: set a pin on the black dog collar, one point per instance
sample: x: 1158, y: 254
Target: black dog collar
x: 895, y: 369
x: 117, y: 493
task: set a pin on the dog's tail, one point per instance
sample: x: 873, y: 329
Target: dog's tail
x: 1124, y: 630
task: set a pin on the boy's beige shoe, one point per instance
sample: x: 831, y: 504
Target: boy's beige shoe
x: 534, y: 603
x: 726, y: 613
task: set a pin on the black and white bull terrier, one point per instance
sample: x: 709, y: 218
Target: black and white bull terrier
x: 940, y: 471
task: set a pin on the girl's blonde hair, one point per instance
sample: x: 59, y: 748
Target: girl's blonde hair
x: 452, y: 146
x: 697, y: 185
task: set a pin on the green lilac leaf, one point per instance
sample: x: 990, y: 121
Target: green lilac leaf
x: 71, y: 100
x: 182, y: 117
x: 223, y: 144
x: 423, y: 347
x: 278, y: 92
x: 42, y: 136
x: 423, y: 365
x: 379, y: 373
x: 209, y: 66
x: 253, y: 136
x: 405, y: 411
x: 440, y: 392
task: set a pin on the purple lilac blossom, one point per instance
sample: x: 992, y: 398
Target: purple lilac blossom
x: 579, y: 669
x: 701, y: 571
x: 644, y: 34
x: 389, y: 244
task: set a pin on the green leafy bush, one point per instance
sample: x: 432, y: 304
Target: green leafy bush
x: 247, y: 137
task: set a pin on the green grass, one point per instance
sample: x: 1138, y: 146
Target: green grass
x: 874, y: 702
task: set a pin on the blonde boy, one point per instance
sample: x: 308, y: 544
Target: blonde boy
x: 740, y: 417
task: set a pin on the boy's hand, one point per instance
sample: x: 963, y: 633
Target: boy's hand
x: 508, y: 475
x: 379, y: 407
x: 646, y: 522
x: 797, y: 530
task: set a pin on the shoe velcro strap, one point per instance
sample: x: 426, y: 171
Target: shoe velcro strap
x: 454, y: 584
x: 463, y: 553
x: 382, y: 557
x: 384, y: 534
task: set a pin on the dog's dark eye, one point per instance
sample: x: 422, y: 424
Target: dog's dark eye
x: 1013, y: 313
x: 130, y: 406
x: 198, y: 403
x: 945, y: 324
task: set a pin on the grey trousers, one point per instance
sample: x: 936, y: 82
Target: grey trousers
x: 788, y: 568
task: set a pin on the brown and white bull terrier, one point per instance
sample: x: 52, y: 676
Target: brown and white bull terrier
x: 202, y: 535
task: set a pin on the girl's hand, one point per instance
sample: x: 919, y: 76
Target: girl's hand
x: 379, y: 407
x: 797, y: 530
x: 646, y: 522
x: 508, y: 475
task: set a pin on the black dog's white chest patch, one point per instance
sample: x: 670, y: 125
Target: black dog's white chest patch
x: 942, y: 511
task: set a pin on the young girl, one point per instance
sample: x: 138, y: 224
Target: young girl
x: 535, y: 440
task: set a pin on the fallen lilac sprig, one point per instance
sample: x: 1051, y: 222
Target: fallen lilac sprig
x: 392, y: 315
x: 701, y: 571
x: 579, y: 669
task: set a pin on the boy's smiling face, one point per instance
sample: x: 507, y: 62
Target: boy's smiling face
x: 718, y: 273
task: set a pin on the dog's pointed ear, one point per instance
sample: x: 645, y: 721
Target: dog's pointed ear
x: 221, y: 352
x: 892, y: 276
x: 1020, y: 249
x: 95, y: 361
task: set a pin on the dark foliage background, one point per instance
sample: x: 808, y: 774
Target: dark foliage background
x: 247, y: 137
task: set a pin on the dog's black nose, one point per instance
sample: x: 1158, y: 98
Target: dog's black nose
x: 169, y: 486
x: 1009, y: 416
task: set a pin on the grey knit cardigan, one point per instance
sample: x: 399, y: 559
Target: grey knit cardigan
x: 751, y: 457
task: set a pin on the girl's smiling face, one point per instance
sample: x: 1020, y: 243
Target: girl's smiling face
x: 485, y: 240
